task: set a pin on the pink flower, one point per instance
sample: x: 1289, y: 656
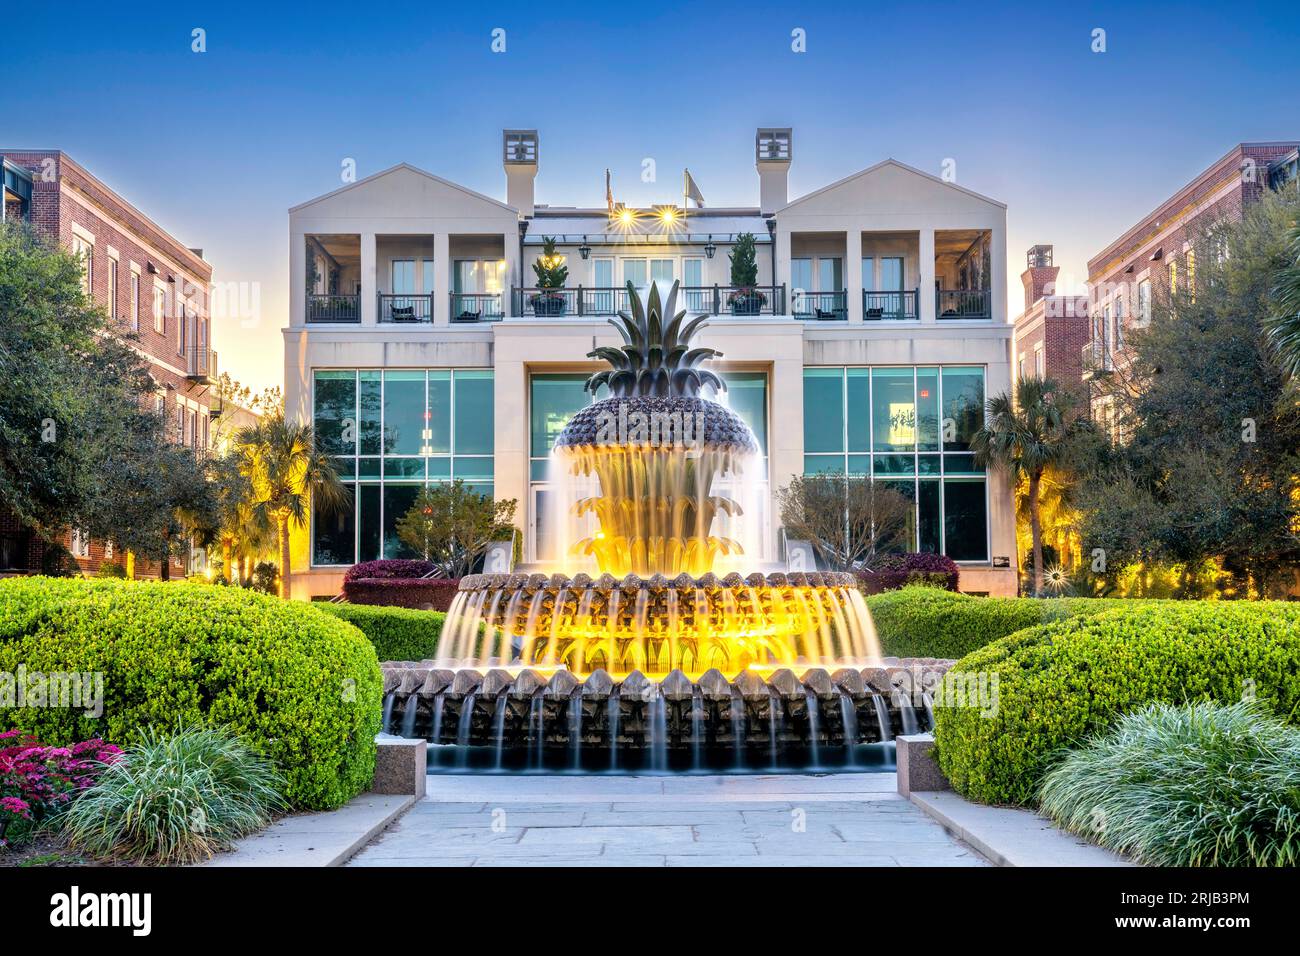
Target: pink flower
x: 16, y: 805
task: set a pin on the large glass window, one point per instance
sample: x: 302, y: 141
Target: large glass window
x: 830, y: 275
x: 891, y: 274
x: 909, y: 427
x: 392, y: 432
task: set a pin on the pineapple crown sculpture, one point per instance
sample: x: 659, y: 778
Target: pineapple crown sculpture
x: 656, y: 359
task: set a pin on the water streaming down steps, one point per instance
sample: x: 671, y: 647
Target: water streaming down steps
x: 529, y: 721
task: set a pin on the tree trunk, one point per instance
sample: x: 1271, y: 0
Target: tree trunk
x: 165, y: 573
x: 1036, y: 532
x: 227, y: 555
x: 130, y: 565
x: 282, y: 525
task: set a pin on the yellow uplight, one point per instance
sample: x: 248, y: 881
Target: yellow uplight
x: 626, y: 216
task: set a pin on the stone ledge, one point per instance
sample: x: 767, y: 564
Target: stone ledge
x: 401, y: 766
x: 1007, y: 836
x: 917, y: 769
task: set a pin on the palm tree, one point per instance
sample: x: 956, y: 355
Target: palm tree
x: 1284, y: 328
x: 1027, y: 437
x: 287, y: 473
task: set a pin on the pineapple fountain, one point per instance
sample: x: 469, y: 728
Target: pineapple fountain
x: 625, y: 665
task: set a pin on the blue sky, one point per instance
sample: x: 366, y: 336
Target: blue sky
x: 217, y: 146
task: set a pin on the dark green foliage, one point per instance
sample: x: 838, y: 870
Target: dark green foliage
x: 398, y: 633
x: 1058, y: 683
x: 299, y: 686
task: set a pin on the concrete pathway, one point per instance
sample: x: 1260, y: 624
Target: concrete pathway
x: 682, y: 820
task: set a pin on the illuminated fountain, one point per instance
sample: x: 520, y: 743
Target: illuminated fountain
x: 622, y: 663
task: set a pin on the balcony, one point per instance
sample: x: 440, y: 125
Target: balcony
x: 594, y: 302
x: 963, y: 304
x: 476, y: 306
x: 200, y: 365
x: 405, y: 308
x: 819, y: 306
x: 889, y: 306
x: 1098, y: 360
x: 333, y: 308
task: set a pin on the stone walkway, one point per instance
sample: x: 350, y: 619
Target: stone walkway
x: 777, y: 820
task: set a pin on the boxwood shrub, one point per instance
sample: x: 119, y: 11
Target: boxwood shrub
x: 432, y: 594
x: 1059, y: 683
x: 932, y: 622
x: 300, y: 686
x: 398, y: 633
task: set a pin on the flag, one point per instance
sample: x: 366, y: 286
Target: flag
x: 691, y: 191
x: 609, y: 194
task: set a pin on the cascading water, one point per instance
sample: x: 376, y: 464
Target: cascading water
x: 658, y: 580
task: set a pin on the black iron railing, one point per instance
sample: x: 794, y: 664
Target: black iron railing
x: 963, y: 303
x: 584, y: 302
x: 475, y: 306
x: 333, y: 308
x: 889, y: 306
x: 405, y: 307
x: 822, y: 306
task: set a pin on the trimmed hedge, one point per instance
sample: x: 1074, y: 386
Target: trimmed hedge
x: 931, y: 622
x: 433, y: 594
x: 301, y: 687
x: 398, y: 633
x: 894, y: 571
x: 1059, y: 683
x: 389, y: 568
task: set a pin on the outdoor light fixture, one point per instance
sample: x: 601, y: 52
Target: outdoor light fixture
x: 584, y: 250
x: 709, y: 247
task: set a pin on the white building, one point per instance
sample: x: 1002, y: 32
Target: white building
x: 419, y: 347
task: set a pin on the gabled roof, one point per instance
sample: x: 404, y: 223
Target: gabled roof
x: 414, y: 169
x: 880, y: 165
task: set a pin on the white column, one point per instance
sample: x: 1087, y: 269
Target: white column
x: 925, y: 305
x: 442, y: 278
x: 853, y: 271
x: 369, y: 280
x: 998, y: 266
x: 510, y: 243
x: 785, y: 433
x: 510, y: 439
x: 298, y: 285
x: 782, y: 239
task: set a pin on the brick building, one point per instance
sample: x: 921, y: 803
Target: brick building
x: 1052, y: 330
x: 150, y: 284
x: 1159, y: 251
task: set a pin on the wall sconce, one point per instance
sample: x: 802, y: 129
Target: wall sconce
x: 709, y: 247
x: 584, y: 250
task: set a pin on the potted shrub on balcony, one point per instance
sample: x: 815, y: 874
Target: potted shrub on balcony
x: 551, y: 275
x: 745, y: 299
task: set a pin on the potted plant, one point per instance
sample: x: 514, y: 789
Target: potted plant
x: 745, y: 299
x: 551, y: 275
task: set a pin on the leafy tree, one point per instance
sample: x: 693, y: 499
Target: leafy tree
x: 242, y: 536
x: 848, y: 520
x: 1026, y: 437
x: 70, y: 387
x: 550, y: 269
x: 1206, y: 465
x: 744, y: 262
x: 452, y: 525
x: 1283, y: 325
x: 287, y: 474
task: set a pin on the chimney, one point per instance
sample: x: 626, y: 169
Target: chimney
x: 1039, y: 273
x: 772, y: 148
x: 519, y: 154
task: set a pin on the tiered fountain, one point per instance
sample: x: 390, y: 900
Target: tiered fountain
x: 624, y: 664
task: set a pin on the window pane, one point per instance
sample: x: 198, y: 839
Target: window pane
x: 891, y: 274
x: 927, y: 409
x: 438, y: 423
x: 403, y: 467
x: 427, y: 275
x: 746, y: 395
x: 818, y: 464
x: 370, y: 388
x: 474, y: 469
x: 368, y: 509
x: 893, y: 409
x: 553, y: 400
x: 335, y: 536
x: 369, y: 467
x: 859, y: 408
x: 963, y: 406
x: 801, y: 274
x: 336, y: 405
x: 895, y: 464
x: 403, y: 412
x: 439, y: 469
x: 823, y: 409
x: 474, y: 405
x: 908, y: 490
x: 661, y: 270
x: 929, y: 522
x: 397, y: 502
x: 830, y: 275
x: 692, y: 272
x: 964, y: 520
x: 634, y: 271
x: 603, y: 273
x: 961, y: 465
x: 403, y: 275
x: 860, y: 466
x: 869, y: 273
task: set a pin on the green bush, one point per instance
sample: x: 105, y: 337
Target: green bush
x: 921, y: 621
x: 1196, y: 785
x: 398, y: 633
x: 299, y: 686
x: 176, y: 798
x: 111, y: 569
x: 1058, y: 683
